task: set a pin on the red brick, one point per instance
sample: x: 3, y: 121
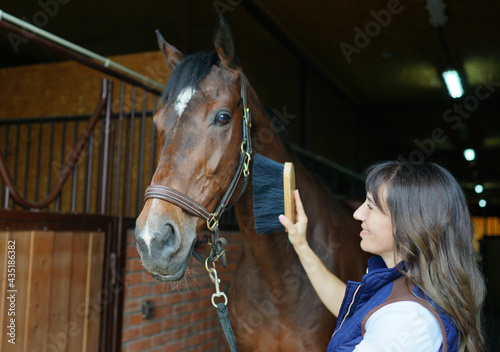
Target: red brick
x: 161, y: 339
x: 198, y: 316
x: 132, y: 252
x: 134, y: 319
x: 138, y: 291
x: 160, y: 312
x: 139, y: 346
x: 133, y: 279
x: 151, y: 328
x: 130, y: 334
x: 134, y: 265
x: 132, y: 306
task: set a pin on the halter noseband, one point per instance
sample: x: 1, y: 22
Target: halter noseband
x: 170, y: 195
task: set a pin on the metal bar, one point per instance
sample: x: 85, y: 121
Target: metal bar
x: 128, y: 190
x: 112, y: 177
x: 75, y: 174
x: 16, y: 153
x: 5, y: 190
x: 47, y: 119
x: 63, y: 145
x: 78, y: 49
x: 105, y: 160
x: 90, y: 160
x: 99, y: 155
x: 142, y: 141
x: 27, y: 167
x: 51, y: 150
x: 39, y: 157
x: 318, y: 159
x: 119, y: 149
x: 7, y: 198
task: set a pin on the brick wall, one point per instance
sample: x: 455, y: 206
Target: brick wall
x: 184, y: 318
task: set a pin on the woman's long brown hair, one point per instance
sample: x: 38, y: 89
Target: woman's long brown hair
x: 433, y: 233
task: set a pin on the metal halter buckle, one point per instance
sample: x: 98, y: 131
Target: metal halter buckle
x: 212, y: 223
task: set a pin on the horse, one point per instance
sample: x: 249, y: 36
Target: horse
x: 273, y: 306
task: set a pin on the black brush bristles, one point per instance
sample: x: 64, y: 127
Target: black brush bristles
x: 268, y: 194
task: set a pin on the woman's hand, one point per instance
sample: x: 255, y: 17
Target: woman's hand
x: 296, y: 232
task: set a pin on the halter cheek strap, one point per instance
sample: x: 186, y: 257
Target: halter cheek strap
x: 170, y: 195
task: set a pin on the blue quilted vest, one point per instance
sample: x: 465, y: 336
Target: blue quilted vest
x: 362, y: 298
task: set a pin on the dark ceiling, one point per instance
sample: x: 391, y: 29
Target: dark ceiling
x: 382, y: 59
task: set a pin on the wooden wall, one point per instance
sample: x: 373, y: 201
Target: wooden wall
x: 57, y: 288
x: 66, y: 88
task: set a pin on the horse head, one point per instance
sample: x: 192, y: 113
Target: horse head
x: 199, y: 122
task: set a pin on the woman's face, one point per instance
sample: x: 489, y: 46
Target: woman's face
x: 376, y: 235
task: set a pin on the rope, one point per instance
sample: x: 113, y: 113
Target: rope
x: 226, y: 326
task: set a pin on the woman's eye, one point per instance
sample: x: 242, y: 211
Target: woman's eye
x: 369, y: 206
x: 223, y: 119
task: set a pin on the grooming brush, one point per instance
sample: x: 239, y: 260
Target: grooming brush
x: 273, y: 187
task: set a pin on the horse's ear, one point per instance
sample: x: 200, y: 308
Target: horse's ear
x: 224, y: 45
x: 172, y: 55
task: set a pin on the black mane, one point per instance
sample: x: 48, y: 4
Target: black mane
x: 188, y: 73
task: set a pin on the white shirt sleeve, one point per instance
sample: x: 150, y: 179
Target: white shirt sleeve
x: 402, y: 326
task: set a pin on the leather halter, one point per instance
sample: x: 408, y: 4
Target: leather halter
x: 170, y: 195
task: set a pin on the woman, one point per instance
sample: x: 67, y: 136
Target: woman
x: 423, y: 290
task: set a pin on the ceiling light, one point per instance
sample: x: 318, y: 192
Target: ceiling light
x: 453, y: 83
x: 482, y: 203
x: 436, y: 12
x: 469, y: 154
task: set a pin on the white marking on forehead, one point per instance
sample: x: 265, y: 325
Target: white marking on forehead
x: 183, y: 99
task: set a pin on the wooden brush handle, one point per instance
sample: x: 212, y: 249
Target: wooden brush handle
x: 288, y: 189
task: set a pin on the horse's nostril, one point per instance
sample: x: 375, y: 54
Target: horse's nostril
x: 167, y: 241
x: 162, y: 241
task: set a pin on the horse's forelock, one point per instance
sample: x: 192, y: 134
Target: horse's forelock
x: 188, y: 73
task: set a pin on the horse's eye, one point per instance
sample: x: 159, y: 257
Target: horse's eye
x: 223, y: 118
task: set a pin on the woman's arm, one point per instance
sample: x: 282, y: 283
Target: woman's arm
x: 328, y: 287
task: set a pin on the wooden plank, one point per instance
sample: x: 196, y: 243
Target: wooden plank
x: 40, y: 290
x: 22, y: 242
x: 96, y: 296
x: 59, y: 326
x: 3, y: 282
x: 77, y: 306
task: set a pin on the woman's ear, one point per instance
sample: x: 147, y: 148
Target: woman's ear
x: 172, y: 55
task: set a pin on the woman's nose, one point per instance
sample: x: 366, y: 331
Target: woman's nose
x: 358, y: 214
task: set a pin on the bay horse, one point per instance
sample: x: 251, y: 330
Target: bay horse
x: 272, y: 305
